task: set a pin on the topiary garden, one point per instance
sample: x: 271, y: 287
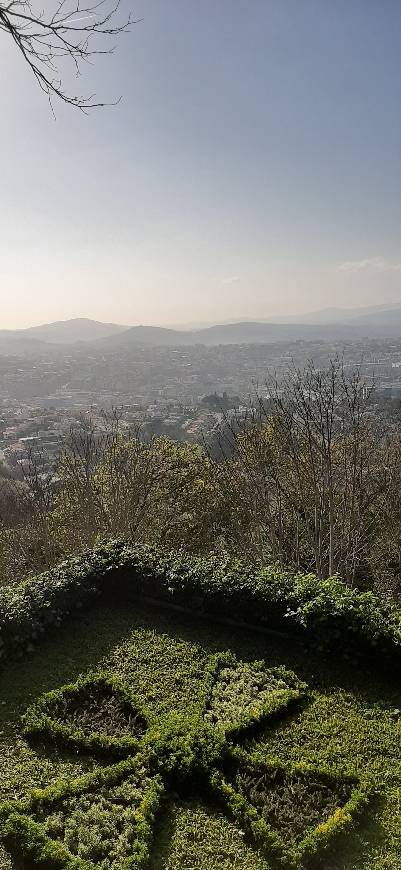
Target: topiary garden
x: 143, y: 724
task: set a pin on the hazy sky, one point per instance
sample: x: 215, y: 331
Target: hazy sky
x: 253, y: 167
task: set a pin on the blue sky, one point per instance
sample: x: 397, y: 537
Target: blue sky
x: 252, y: 168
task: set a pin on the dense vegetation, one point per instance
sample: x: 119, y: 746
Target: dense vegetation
x: 324, y: 613
x: 309, y: 480
x: 130, y: 738
x: 210, y: 746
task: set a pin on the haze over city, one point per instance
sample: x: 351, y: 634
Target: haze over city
x: 200, y: 434
x: 250, y: 170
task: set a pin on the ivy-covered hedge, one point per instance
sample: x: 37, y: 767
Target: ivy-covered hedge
x: 326, y: 612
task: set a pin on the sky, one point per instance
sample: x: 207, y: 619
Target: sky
x: 251, y: 169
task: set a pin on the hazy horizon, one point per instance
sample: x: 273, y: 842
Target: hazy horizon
x: 251, y: 169
x: 193, y: 325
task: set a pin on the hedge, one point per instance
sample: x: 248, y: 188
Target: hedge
x: 27, y: 838
x: 316, y: 840
x: 286, y: 692
x: 184, y: 754
x: 326, y: 612
x: 41, y: 718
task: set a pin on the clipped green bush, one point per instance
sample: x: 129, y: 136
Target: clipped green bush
x: 327, y: 612
x: 60, y: 716
x: 106, y: 818
x: 265, y: 797
x: 102, y: 820
x: 245, y: 693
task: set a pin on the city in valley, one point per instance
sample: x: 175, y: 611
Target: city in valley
x: 184, y: 392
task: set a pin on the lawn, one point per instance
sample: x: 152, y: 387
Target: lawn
x: 299, y: 737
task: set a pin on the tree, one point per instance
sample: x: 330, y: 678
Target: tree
x: 311, y: 481
x: 71, y: 32
x: 113, y: 483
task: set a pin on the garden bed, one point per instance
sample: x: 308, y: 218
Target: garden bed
x: 135, y: 733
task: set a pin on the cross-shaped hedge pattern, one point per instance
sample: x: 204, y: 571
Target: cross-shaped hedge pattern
x: 106, y: 819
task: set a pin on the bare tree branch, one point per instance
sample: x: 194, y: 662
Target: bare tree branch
x: 72, y: 32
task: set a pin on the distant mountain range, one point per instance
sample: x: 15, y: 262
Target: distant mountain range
x: 37, y: 339
x: 380, y: 321
x: 70, y: 331
x: 353, y: 316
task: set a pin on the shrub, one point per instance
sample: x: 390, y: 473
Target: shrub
x: 246, y: 692
x: 97, y: 713
x: 105, y: 818
x: 280, y: 805
x: 327, y: 612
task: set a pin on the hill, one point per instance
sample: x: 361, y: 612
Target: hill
x: 331, y: 324
x: 373, y: 314
x: 18, y: 342
x: 231, y: 333
x: 50, y: 336
x: 247, y: 332
x: 146, y: 335
x: 71, y: 331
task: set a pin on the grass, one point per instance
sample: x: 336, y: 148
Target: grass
x: 196, y: 837
x: 351, y: 722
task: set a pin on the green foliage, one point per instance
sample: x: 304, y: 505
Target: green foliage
x: 204, y: 839
x: 101, y: 820
x: 326, y: 612
x: 290, y: 800
x: 170, y: 661
x: 293, y: 811
x: 244, y: 693
x: 101, y: 816
x: 97, y: 713
x: 105, y: 818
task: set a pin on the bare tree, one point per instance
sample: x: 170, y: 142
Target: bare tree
x: 72, y: 32
x: 308, y: 478
x: 113, y: 483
